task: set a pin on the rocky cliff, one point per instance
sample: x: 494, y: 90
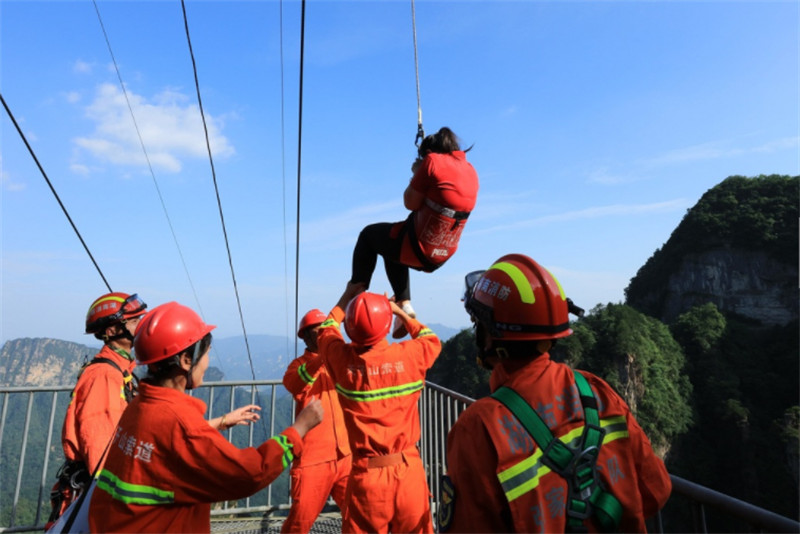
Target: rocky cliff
x: 736, y: 248
x: 746, y: 283
x: 41, y: 362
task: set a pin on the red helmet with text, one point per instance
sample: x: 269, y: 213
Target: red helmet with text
x: 168, y: 330
x: 368, y: 318
x: 518, y: 299
x: 312, y: 318
x: 113, y: 308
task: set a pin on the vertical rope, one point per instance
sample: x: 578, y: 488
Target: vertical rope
x: 420, y: 130
x: 299, y: 161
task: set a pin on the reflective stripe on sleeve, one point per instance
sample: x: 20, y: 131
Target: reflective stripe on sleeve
x: 329, y: 322
x: 307, y: 378
x: 286, y: 445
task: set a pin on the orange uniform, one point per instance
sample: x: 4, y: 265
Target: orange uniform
x: 499, y: 481
x: 379, y: 387
x: 323, y: 468
x: 98, y: 401
x: 167, y: 465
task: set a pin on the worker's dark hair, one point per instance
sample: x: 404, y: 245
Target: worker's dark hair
x: 442, y: 142
x: 159, y: 371
x: 518, y: 349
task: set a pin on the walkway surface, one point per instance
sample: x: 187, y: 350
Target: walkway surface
x: 327, y: 523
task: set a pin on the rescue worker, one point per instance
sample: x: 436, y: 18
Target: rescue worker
x: 103, y: 390
x: 379, y: 386
x: 323, y: 468
x: 502, y: 477
x: 166, y: 465
x: 441, y: 195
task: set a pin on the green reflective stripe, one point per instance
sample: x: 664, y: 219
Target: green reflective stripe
x: 307, y: 378
x: 132, y: 493
x: 519, y: 279
x: 383, y: 393
x: 288, y: 456
x: 615, y: 427
x: 329, y: 322
x: 524, y: 476
x: 426, y: 332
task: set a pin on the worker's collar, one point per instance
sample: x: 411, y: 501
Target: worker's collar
x: 122, y: 352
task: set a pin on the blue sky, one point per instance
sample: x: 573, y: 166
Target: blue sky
x: 595, y: 126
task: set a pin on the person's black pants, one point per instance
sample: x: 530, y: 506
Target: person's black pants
x: 375, y: 240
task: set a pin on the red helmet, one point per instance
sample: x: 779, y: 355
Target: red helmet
x: 518, y: 299
x: 113, y: 308
x: 312, y: 318
x: 368, y: 318
x: 166, y: 331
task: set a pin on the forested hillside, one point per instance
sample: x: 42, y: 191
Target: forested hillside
x: 711, y: 374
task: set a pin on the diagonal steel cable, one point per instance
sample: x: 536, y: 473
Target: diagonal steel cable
x: 216, y: 187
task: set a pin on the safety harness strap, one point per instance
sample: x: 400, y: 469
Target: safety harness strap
x: 131, y: 383
x: 578, y: 467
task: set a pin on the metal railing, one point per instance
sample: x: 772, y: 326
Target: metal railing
x: 30, y: 454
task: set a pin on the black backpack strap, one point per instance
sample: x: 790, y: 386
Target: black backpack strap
x: 131, y: 383
x: 578, y: 467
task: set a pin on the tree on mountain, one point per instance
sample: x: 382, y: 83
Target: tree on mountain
x: 457, y: 369
x: 638, y: 356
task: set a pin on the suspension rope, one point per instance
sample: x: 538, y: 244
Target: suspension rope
x: 420, y: 130
x: 299, y: 160
x: 44, y: 174
x: 216, y: 188
x: 152, y: 173
x: 283, y: 189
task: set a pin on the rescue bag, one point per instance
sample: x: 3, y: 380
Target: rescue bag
x: 436, y: 240
x: 586, y: 499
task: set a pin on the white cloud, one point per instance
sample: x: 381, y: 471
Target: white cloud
x: 509, y: 111
x: 9, y: 184
x: 604, y: 177
x: 170, y: 126
x: 718, y: 150
x: 596, y: 212
x: 82, y: 67
x: 72, y: 97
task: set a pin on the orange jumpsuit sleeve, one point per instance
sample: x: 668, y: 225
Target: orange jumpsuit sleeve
x: 205, y: 455
x: 330, y: 340
x: 480, y: 504
x: 301, y: 373
x: 428, y: 342
x: 99, y: 406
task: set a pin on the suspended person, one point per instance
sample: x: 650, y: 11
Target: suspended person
x: 166, y: 464
x: 441, y: 195
x: 323, y: 468
x: 103, y: 390
x: 553, y: 449
x: 379, y: 386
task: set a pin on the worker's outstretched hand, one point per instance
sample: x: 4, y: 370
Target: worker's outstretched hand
x: 243, y: 415
x: 350, y: 292
x: 308, y: 418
